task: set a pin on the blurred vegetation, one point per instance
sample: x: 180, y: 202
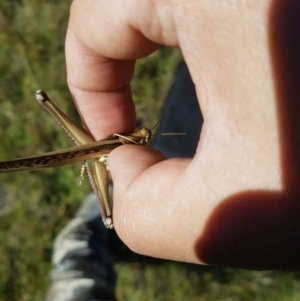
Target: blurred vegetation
x: 34, y: 206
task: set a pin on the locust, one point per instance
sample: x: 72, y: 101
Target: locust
x: 87, y: 149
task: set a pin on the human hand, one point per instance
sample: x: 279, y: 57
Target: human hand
x: 236, y: 202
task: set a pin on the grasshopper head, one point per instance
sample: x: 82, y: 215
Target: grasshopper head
x: 142, y: 137
x: 145, y: 135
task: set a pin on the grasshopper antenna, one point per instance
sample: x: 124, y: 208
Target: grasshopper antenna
x: 169, y: 134
x: 158, y: 122
x: 165, y: 134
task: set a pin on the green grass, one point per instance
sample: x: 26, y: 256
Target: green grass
x: 176, y: 282
x: 39, y: 204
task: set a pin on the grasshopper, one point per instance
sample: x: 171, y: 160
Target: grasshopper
x: 87, y: 149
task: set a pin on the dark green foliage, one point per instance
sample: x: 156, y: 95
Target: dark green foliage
x: 34, y: 206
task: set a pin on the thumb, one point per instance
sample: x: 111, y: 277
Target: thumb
x: 147, y: 195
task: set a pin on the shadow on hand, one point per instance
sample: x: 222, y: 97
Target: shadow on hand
x: 261, y: 229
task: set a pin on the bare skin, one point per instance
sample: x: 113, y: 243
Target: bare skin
x: 178, y: 208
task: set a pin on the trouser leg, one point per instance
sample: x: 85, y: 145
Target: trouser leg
x: 82, y: 261
x: 181, y: 115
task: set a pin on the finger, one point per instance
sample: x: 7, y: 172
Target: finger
x: 101, y: 93
x: 100, y: 58
x: 150, y: 205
